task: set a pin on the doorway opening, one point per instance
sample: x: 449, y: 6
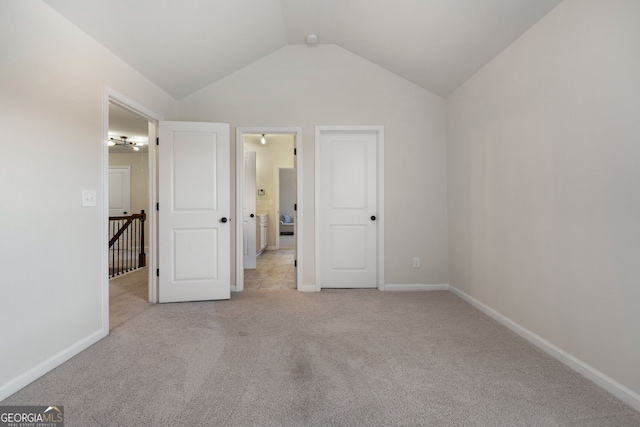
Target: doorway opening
x: 129, y: 253
x: 268, y: 184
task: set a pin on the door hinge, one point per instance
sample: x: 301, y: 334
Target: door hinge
x: 157, y: 206
x: 295, y: 206
x: 295, y: 262
x: 157, y: 141
x: 158, y: 272
x: 295, y: 151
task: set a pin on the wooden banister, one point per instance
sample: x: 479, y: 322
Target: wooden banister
x: 131, y: 229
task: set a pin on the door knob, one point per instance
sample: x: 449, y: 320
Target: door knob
x: 252, y: 215
x: 223, y: 220
x: 373, y: 217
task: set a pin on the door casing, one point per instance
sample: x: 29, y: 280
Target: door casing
x: 379, y: 131
x: 110, y: 95
x: 297, y: 133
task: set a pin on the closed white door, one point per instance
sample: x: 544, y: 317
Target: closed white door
x: 194, y: 212
x: 347, y: 209
x: 249, y: 211
x: 119, y: 190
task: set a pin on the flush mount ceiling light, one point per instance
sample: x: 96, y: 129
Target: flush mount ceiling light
x: 312, y: 40
x: 263, y: 140
x: 123, y: 141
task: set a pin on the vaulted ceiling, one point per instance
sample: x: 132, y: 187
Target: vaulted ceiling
x: 184, y: 45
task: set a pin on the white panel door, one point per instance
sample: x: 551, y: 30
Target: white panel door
x: 347, y: 209
x: 249, y: 210
x: 194, y: 207
x: 119, y: 190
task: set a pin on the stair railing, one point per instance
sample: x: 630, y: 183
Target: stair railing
x: 126, y: 243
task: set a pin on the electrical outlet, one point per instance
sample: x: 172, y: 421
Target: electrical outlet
x: 416, y: 262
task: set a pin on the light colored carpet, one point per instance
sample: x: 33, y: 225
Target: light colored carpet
x: 338, y: 357
x: 128, y: 296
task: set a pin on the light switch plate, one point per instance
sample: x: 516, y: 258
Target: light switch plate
x: 88, y: 198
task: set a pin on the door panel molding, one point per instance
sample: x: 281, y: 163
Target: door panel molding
x: 378, y: 131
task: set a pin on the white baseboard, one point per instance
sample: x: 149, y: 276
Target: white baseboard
x: 54, y: 361
x: 307, y: 288
x: 623, y: 393
x: 409, y: 287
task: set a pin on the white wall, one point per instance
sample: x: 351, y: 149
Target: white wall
x: 544, y: 176
x: 51, y: 106
x: 139, y: 163
x: 327, y: 85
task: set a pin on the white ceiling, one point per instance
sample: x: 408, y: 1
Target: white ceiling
x: 184, y: 45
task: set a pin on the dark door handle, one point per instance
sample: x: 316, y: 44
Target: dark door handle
x: 252, y: 215
x: 373, y: 217
x: 223, y: 220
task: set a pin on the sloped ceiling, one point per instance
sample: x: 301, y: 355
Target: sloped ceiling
x: 184, y: 45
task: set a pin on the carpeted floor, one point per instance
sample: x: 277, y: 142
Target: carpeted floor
x: 334, y: 358
x: 128, y: 296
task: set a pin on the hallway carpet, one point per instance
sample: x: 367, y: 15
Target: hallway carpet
x: 333, y: 358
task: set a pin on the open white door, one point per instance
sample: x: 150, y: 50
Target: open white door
x: 347, y: 208
x: 249, y: 210
x: 194, y: 207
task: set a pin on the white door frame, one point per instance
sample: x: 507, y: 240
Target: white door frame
x: 379, y: 130
x: 297, y: 136
x: 110, y: 95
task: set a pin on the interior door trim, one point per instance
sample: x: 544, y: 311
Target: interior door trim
x: 297, y: 133
x: 110, y: 95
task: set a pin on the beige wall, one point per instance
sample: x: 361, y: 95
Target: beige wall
x: 327, y: 85
x: 267, y: 162
x: 51, y: 107
x: 544, y: 174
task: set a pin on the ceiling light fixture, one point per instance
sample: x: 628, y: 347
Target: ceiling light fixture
x: 123, y: 141
x: 263, y: 140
